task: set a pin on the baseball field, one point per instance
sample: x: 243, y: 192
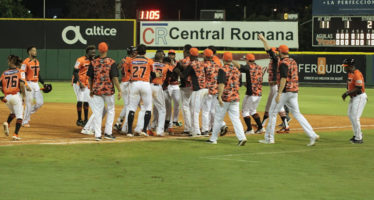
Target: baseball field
x: 54, y: 161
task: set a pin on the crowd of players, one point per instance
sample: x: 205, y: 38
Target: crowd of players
x: 163, y: 85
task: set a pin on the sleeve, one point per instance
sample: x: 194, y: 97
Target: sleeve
x: 77, y: 64
x: 113, y: 71
x: 187, y: 71
x: 23, y: 66
x: 90, y: 72
x: 358, y: 79
x: 244, y: 68
x: 283, y: 70
x: 221, y: 76
x: 272, y: 55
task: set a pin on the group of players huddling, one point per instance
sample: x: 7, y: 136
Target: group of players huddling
x: 166, y: 85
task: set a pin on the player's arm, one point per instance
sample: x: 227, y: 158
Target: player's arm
x: 263, y: 40
x: 22, y: 88
x: 357, y: 89
x: 236, y: 64
x: 41, y: 79
x: 76, y: 75
x: 114, y: 77
x: 283, y: 70
x: 90, y: 74
x: 221, y: 85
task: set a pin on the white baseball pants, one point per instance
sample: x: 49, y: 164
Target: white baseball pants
x: 249, y: 105
x: 291, y: 99
x: 125, y: 88
x: 14, y: 103
x: 355, y: 108
x: 159, y: 105
x: 82, y: 95
x: 208, y: 111
x: 196, y: 102
x: 186, y: 93
x: 36, y: 94
x: 98, y: 103
x: 233, y: 109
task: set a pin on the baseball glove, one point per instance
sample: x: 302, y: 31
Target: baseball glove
x: 3, y: 99
x: 47, y: 88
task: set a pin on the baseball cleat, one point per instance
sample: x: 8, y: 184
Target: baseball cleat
x: 242, y: 142
x: 143, y: 134
x: 283, y: 130
x: 223, y: 130
x: 15, y: 137
x: 313, y: 141
x: 354, y: 141
x: 195, y: 134
x: 151, y: 133
x: 79, y: 123
x: 211, y: 142
x: 178, y: 124
x: 161, y: 134
x: 117, y: 127
x: 205, y: 133
x: 186, y: 133
x: 250, y: 132
x: 259, y: 131
x: 129, y: 135
x: 26, y: 125
x: 266, y: 142
x: 109, y: 137
x: 98, y: 138
x: 6, y: 128
x: 86, y: 132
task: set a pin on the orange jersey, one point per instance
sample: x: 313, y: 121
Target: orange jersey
x: 31, y: 69
x: 10, y: 81
x: 102, y: 71
x: 217, y: 61
x: 292, y: 83
x: 230, y: 76
x: 161, y: 68
x: 82, y: 65
x: 211, y: 76
x: 140, y: 69
x: 125, y: 69
x: 356, y: 79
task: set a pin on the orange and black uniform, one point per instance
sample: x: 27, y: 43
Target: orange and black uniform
x: 101, y: 72
x: 211, y: 75
x: 356, y: 80
x: 185, y: 81
x: 163, y: 69
x: 196, y: 71
x: 125, y: 69
x: 80, y: 70
x: 229, y: 75
x: 288, y: 69
x: 141, y: 69
x: 273, y: 67
x: 31, y: 67
x: 10, y: 82
x: 253, y: 74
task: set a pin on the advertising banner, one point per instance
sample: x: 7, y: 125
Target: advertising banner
x: 220, y: 34
x: 343, y: 7
x: 66, y: 34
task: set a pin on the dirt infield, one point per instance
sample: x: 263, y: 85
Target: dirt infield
x: 54, y: 123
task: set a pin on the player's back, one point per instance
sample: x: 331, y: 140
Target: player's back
x: 162, y: 69
x: 141, y: 68
x: 10, y: 81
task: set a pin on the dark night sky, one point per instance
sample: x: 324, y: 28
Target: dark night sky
x: 169, y: 8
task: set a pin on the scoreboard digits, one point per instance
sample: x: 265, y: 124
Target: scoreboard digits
x: 343, y: 31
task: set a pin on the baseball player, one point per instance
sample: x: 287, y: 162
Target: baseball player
x: 12, y: 84
x: 272, y: 80
x: 31, y: 68
x: 288, y: 84
x: 80, y: 83
x: 228, y: 98
x: 210, y: 101
x: 196, y: 71
x: 186, y: 91
x: 173, y: 94
x: 356, y: 90
x: 141, y: 72
x: 159, y: 109
x: 215, y: 58
x: 125, y: 70
x: 103, y: 76
x: 253, y: 94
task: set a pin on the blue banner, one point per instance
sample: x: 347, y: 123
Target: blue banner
x: 343, y: 7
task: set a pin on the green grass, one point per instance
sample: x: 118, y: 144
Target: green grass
x: 191, y: 169
x: 312, y: 100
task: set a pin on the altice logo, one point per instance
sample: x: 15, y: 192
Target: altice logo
x: 77, y: 35
x: 92, y: 31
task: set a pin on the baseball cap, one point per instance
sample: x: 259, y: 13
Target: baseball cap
x: 348, y: 62
x: 194, y: 52
x: 103, y: 47
x: 250, y: 57
x: 208, y: 53
x: 274, y: 49
x: 227, y: 56
x: 283, y: 48
x: 171, y: 51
